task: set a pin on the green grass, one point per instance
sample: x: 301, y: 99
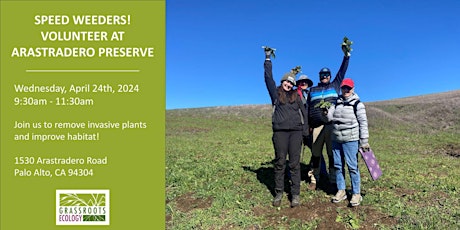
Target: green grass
x: 219, y: 176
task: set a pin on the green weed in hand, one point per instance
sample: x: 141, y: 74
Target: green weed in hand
x: 296, y: 70
x: 323, y: 105
x: 270, y: 50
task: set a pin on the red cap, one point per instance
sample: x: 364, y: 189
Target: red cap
x: 348, y: 82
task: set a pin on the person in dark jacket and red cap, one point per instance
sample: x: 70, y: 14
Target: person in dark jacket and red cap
x: 289, y: 124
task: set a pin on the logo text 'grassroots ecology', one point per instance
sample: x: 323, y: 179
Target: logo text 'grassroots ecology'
x: 82, y: 207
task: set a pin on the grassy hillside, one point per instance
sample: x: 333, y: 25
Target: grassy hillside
x: 219, y: 173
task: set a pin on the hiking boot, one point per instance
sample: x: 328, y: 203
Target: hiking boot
x: 313, y: 174
x: 341, y: 195
x: 295, y: 201
x: 311, y: 186
x: 356, y: 200
x: 277, y: 200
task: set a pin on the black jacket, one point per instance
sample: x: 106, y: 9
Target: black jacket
x: 288, y: 116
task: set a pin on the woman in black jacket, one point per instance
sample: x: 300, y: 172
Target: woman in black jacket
x: 289, y: 124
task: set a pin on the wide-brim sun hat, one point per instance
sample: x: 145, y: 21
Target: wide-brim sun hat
x: 305, y: 78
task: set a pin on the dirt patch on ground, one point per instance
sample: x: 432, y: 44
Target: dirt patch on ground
x: 452, y: 150
x: 325, y: 213
x: 403, y: 192
x: 321, y: 213
x: 188, y: 202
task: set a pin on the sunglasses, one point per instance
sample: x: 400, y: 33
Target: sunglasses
x: 324, y: 75
x: 303, y: 83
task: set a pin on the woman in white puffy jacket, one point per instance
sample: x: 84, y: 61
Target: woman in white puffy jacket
x: 350, y: 132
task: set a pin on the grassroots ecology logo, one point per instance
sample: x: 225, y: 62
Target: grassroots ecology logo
x: 82, y: 207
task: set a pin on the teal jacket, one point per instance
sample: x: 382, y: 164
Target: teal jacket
x: 328, y: 92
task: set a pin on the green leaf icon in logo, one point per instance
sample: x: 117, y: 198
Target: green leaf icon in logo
x: 72, y: 199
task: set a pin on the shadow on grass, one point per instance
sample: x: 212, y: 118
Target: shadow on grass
x: 266, y: 175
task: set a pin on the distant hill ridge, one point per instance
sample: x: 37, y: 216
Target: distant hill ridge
x: 439, y: 111
x: 449, y: 96
x: 430, y: 112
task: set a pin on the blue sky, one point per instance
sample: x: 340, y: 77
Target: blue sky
x: 401, y: 48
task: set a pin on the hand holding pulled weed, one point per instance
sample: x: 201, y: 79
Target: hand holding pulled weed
x: 346, y: 46
x: 269, y: 52
x: 324, y: 105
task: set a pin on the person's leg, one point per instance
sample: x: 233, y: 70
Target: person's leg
x: 316, y: 151
x: 280, y: 144
x: 337, y: 151
x: 351, y: 157
x: 295, y: 147
x: 318, y: 142
x: 328, y: 141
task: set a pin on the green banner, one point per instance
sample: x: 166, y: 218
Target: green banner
x: 82, y: 114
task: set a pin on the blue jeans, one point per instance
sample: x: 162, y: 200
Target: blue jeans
x: 347, y: 152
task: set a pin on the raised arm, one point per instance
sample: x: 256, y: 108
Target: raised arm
x: 346, y: 48
x: 341, y: 73
x: 268, y: 75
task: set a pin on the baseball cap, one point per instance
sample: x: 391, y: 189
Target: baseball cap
x: 325, y: 70
x: 348, y: 82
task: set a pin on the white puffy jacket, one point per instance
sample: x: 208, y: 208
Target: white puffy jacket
x: 346, y: 125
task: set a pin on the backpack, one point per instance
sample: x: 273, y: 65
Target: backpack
x: 355, y: 106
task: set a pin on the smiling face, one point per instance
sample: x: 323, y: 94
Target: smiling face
x: 325, y: 77
x: 287, y: 85
x: 303, y: 85
x: 347, y: 91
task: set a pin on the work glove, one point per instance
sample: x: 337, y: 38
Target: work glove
x: 346, y: 47
x: 269, y: 52
x: 327, y: 112
x: 365, y: 147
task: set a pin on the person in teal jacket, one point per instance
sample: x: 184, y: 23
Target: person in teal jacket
x: 325, y: 91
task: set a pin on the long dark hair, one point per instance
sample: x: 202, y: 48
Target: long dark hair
x: 289, y: 96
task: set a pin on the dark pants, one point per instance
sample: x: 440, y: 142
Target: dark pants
x: 287, y: 142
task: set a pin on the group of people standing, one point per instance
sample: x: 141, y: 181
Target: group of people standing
x: 316, y: 116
